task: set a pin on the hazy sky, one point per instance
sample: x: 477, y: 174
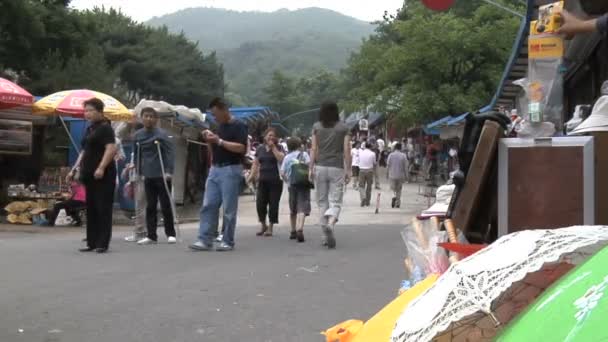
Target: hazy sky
x: 142, y: 10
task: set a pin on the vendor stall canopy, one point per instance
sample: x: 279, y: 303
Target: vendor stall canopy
x: 433, y: 127
x: 182, y: 115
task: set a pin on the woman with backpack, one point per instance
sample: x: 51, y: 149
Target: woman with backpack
x: 330, y: 166
x: 265, y: 170
x: 295, y: 172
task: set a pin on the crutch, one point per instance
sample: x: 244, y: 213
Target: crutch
x: 173, y: 210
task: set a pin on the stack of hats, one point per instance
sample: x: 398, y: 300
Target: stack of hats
x: 597, y: 121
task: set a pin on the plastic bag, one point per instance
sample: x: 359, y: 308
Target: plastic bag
x: 527, y: 129
x: 424, y: 256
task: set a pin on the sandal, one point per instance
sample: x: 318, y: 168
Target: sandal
x: 262, y: 231
x: 268, y: 231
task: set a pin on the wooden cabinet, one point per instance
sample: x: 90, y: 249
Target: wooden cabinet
x: 546, y: 183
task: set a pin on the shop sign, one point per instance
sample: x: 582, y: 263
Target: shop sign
x: 15, y: 137
x: 363, y: 125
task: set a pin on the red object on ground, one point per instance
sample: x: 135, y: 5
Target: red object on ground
x: 463, y: 249
x: 12, y: 95
x: 438, y: 5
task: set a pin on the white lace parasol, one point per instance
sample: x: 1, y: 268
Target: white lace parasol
x: 470, y: 286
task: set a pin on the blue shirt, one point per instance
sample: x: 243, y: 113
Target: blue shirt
x: 146, y: 152
x: 291, y: 159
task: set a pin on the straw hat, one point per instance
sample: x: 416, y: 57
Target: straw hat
x: 597, y: 121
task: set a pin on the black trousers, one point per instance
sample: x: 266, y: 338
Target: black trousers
x: 100, y: 202
x: 267, y: 200
x: 155, y: 191
x: 71, y: 208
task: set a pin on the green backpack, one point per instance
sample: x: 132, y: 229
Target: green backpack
x: 299, y: 172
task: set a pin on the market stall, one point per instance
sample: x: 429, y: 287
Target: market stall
x: 184, y: 126
x: 499, y: 244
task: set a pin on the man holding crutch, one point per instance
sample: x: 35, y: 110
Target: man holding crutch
x: 229, y: 146
x: 154, y: 154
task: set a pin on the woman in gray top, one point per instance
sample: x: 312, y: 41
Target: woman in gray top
x: 330, y: 162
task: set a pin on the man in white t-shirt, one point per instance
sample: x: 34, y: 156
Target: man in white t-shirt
x: 354, y: 152
x: 367, y: 165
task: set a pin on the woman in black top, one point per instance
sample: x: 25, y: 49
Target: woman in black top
x: 98, y: 174
x: 265, y: 169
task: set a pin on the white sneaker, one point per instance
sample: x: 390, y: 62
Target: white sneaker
x: 220, y: 238
x: 171, y: 240
x: 132, y: 238
x: 146, y: 241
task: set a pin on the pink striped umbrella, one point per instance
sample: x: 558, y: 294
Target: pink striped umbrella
x: 12, y: 95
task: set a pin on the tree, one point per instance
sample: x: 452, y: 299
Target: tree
x: 421, y: 65
x: 281, y: 94
x: 318, y: 88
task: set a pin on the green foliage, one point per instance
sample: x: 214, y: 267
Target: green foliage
x: 53, y: 48
x: 252, y: 45
x: 425, y: 65
x: 282, y: 95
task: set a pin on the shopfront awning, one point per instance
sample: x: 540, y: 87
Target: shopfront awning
x: 457, y: 120
x: 281, y: 130
x: 439, y: 123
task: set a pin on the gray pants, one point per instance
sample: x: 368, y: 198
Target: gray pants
x: 366, y: 181
x: 140, y: 209
x: 329, y: 183
x: 377, y: 176
x: 396, y: 187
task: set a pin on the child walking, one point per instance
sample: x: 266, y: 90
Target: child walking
x: 295, y: 170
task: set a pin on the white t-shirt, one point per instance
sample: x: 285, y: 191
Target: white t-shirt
x: 380, y: 144
x: 367, y: 159
x: 355, y: 156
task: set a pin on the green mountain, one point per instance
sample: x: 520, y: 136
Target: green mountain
x: 252, y: 45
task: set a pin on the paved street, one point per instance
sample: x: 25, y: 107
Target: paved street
x: 268, y: 289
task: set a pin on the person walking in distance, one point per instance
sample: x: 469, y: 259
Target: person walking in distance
x: 331, y: 166
x: 355, y: 163
x: 265, y: 169
x: 223, y: 187
x: 295, y: 172
x: 148, y: 165
x: 98, y: 174
x: 367, y: 168
x: 397, y: 165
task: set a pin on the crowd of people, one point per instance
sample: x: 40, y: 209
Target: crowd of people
x: 326, y: 161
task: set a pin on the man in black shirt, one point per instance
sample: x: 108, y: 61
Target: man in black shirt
x: 98, y: 174
x: 229, y: 146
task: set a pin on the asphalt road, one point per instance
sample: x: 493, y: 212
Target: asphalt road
x: 268, y: 289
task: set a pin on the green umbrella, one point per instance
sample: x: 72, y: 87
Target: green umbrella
x: 573, y: 309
